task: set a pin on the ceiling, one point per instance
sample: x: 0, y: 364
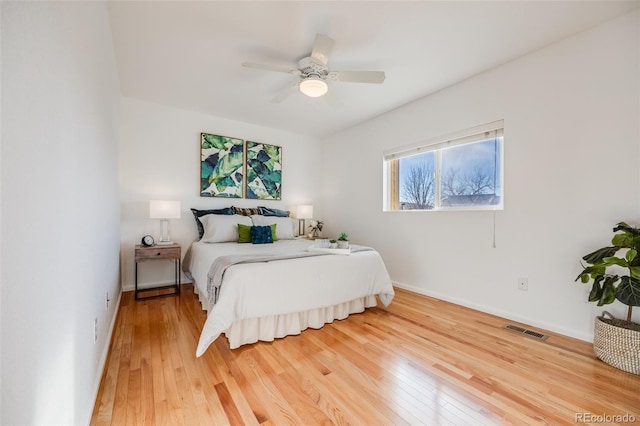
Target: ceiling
x: 188, y: 54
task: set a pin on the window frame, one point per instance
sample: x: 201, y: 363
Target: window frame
x: 392, y: 157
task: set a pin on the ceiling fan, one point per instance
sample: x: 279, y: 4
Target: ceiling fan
x: 314, y: 72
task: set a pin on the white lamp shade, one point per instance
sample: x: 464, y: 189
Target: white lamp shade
x: 304, y: 211
x: 313, y: 87
x: 163, y: 209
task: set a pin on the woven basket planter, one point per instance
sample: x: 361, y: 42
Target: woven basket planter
x: 616, y: 345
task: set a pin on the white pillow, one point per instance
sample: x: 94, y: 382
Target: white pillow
x: 221, y: 228
x: 285, y: 226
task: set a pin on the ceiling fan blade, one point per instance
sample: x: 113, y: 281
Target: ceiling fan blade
x: 322, y: 47
x: 375, y: 77
x: 285, y: 93
x: 271, y: 68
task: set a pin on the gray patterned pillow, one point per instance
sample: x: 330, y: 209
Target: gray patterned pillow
x: 245, y: 211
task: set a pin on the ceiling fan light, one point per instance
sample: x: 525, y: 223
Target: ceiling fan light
x: 313, y: 87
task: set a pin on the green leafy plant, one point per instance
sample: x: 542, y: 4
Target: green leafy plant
x: 332, y: 241
x: 343, y: 236
x: 603, y: 263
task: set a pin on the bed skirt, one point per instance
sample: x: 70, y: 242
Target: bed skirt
x: 269, y: 328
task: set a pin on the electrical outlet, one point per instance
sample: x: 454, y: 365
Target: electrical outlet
x: 95, y: 330
x: 523, y: 284
x: 106, y: 301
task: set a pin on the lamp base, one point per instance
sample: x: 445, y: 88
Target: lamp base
x: 165, y: 239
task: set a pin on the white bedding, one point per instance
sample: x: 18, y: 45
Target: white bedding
x: 285, y: 296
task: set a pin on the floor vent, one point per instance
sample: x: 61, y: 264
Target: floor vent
x: 531, y: 333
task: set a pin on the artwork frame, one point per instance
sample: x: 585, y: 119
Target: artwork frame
x: 222, y: 166
x: 263, y: 179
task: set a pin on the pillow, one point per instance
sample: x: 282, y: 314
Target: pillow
x: 274, y: 233
x: 285, y: 226
x: 265, y: 211
x: 245, y: 211
x: 244, y: 233
x: 197, y: 213
x: 222, y: 228
x: 261, y: 235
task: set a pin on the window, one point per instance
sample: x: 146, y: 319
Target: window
x: 461, y: 171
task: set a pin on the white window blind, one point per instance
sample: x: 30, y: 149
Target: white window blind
x: 485, y: 131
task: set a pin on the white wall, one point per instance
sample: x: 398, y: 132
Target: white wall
x: 60, y: 208
x: 572, y: 144
x: 160, y: 159
x: 0, y: 213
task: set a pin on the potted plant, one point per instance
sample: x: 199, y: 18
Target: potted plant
x: 333, y: 244
x: 615, y: 271
x: 343, y: 240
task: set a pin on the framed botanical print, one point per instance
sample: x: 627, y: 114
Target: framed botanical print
x: 221, y: 166
x: 264, y: 171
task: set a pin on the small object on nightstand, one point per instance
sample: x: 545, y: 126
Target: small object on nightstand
x: 167, y: 252
x: 148, y: 241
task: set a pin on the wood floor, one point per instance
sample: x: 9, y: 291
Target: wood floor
x: 419, y: 361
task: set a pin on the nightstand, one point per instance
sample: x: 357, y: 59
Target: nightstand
x: 169, y: 252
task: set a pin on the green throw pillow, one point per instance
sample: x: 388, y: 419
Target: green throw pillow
x: 244, y: 233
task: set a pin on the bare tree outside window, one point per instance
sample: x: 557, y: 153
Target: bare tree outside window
x: 418, y: 187
x: 452, y: 184
x: 479, y: 180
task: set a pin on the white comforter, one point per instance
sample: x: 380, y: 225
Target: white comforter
x: 263, y: 289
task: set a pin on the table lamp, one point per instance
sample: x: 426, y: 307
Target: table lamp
x: 304, y: 211
x: 164, y: 210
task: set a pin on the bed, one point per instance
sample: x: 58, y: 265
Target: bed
x: 264, y: 300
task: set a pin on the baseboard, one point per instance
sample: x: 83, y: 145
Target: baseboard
x: 105, y: 354
x: 503, y: 314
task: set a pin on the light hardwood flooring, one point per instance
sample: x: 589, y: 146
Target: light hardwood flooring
x: 418, y: 361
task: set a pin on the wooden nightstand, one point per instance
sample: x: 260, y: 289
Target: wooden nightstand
x: 170, y: 252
